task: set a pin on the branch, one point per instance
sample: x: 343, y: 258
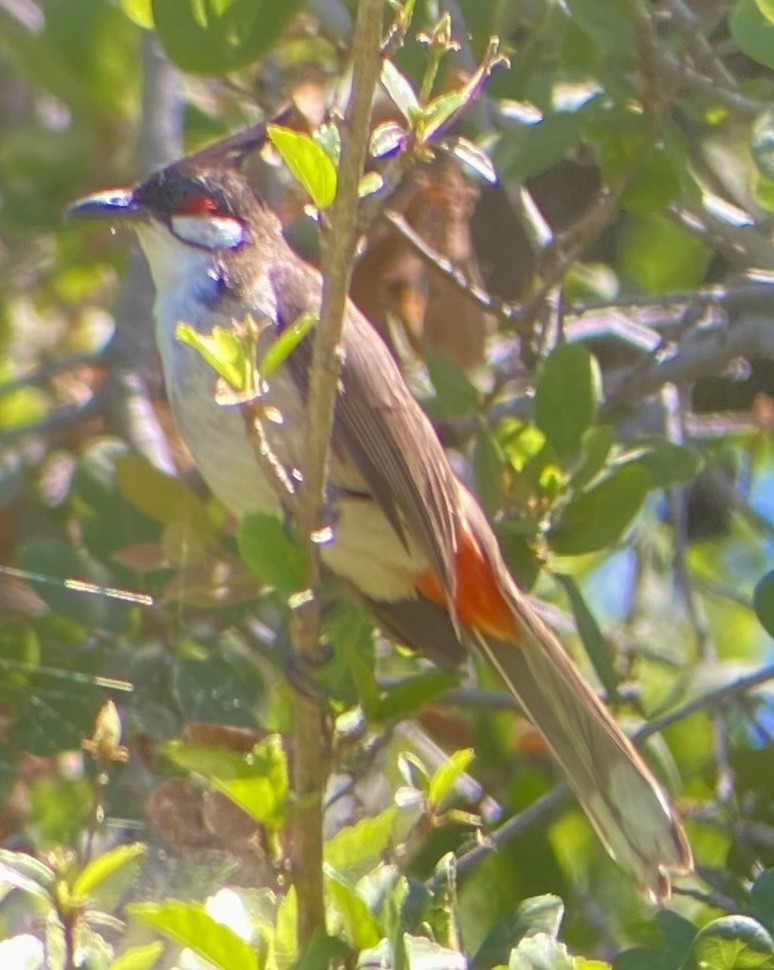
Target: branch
x: 310, y: 729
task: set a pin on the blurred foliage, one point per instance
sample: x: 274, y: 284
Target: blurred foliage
x: 626, y: 244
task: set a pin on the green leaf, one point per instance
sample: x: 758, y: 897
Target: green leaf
x: 734, y: 943
x: 69, y: 582
x: 189, y: 925
x: 763, y: 602
x: 24, y: 872
x: 435, y: 115
x: 445, y: 777
x: 424, y: 954
x: 753, y: 31
x: 659, y: 256
x: 596, y: 445
x: 355, y: 849
x: 667, y: 463
x: 309, y: 162
x: 138, y: 957
x: 270, y: 553
x: 455, y: 395
x: 541, y: 952
x: 597, y: 647
x: 217, y: 36
x: 405, y: 698
x: 160, y: 496
x: 286, y: 343
x: 567, y: 397
x: 762, y: 896
x: 766, y: 7
x: 678, y: 933
x: 608, y: 22
x: 599, y: 517
x: 101, y: 868
x: 357, y: 921
x: 224, y: 350
x: 400, y: 90
x: 257, y: 782
x: 488, y: 463
x: 645, y: 958
x: 539, y: 914
x: 140, y: 12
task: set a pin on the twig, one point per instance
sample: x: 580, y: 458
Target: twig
x: 309, y: 723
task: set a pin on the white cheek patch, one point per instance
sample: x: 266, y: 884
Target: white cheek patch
x: 209, y: 232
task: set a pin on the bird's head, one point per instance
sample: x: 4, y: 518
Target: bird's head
x: 199, y: 206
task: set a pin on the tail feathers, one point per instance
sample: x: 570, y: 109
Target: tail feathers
x: 616, y: 789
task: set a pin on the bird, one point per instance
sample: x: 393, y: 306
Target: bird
x: 407, y: 535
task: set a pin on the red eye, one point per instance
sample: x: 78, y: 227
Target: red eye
x: 198, y: 204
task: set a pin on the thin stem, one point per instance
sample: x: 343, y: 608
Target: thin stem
x: 310, y: 728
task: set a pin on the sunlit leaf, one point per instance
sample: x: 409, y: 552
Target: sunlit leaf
x: 24, y: 872
x: 445, y: 777
x: 355, y: 849
x: 286, y: 343
x: 138, y: 957
x: 424, y: 954
x: 359, y: 925
x: 308, y: 161
x: 139, y: 11
x: 103, y: 867
x: 400, y: 90
x: 734, y: 943
x: 189, y: 925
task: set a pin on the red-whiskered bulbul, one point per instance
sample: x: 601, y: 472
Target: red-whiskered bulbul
x: 408, y: 535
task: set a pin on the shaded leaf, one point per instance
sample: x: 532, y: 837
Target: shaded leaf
x: 753, y: 31
x: 763, y: 602
x: 567, y: 397
x: 455, y: 395
x: 217, y: 36
x: 270, y: 553
x: 161, y: 497
x: 597, y: 647
x: 600, y: 517
x: 540, y: 914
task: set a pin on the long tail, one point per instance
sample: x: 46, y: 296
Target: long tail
x: 618, y: 792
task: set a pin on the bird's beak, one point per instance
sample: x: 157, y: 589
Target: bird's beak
x: 117, y: 204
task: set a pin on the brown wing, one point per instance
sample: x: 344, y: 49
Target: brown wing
x: 380, y: 426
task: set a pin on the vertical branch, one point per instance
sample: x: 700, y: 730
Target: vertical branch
x: 311, y: 748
